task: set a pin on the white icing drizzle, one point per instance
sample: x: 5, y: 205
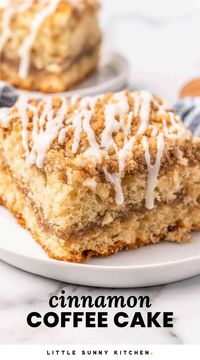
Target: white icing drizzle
x: 111, y: 126
x: 7, y: 15
x: 91, y: 183
x: 22, y: 106
x: 118, y: 107
x: 153, y: 170
x: 6, y: 116
x: 94, y: 149
x: 128, y: 144
x: 74, y: 99
x: 137, y: 103
x: 142, y: 105
x: 145, y: 98
x: 26, y: 47
x: 24, y: 6
x: 115, y: 180
x: 175, y: 129
x: 121, y: 108
x: 154, y: 132
x: 77, y: 125
x: 49, y: 124
x: 44, y: 137
x: 63, y: 133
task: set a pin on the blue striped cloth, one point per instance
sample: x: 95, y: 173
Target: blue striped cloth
x: 187, y: 108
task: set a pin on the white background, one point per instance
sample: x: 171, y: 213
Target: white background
x: 160, y: 39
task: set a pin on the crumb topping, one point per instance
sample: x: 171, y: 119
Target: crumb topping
x: 102, y: 131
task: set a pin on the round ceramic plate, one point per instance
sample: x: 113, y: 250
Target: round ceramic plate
x: 151, y: 265
x: 112, y: 75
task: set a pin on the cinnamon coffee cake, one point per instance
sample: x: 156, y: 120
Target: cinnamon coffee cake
x: 95, y: 175
x: 48, y: 45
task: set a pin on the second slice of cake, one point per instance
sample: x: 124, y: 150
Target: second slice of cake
x: 48, y: 45
x: 92, y: 176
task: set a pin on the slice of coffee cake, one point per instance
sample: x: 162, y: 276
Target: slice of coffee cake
x: 91, y: 176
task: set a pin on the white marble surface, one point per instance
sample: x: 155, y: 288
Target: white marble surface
x: 159, y: 41
x: 22, y: 293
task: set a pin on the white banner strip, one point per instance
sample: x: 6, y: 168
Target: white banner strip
x: 99, y: 352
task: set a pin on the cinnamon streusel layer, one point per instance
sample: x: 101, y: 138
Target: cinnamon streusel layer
x: 92, y: 176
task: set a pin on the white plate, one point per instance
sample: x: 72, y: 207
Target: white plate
x: 152, y: 265
x: 112, y: 75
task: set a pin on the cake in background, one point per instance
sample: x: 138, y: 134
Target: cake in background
x: 92, y: 176
x: 48, y: 45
